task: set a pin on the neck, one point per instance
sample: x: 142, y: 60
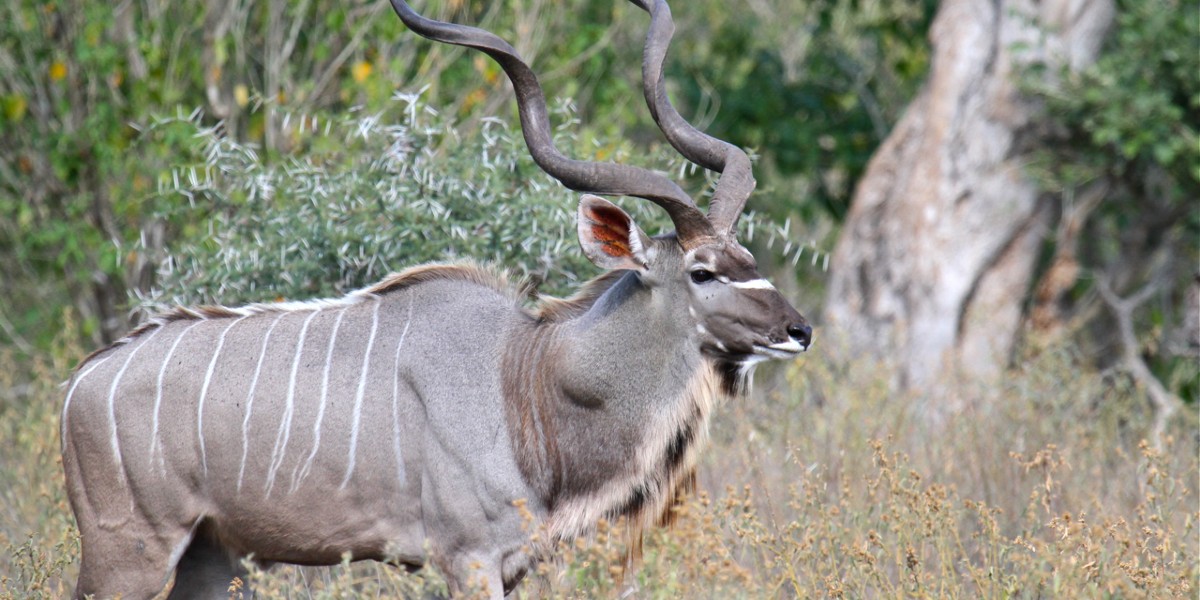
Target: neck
x: 608, y: 409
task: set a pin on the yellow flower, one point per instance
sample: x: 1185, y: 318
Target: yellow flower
x: 361, y: 71
x: 58, y: 70
x: 241, y: 95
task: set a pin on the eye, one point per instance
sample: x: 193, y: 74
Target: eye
x: 702, y: 276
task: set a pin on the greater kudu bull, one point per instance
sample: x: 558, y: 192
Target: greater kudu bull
x: 411, y: 416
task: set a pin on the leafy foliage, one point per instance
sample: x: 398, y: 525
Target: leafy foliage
x: 1138, y: 108
x: 77, y: 179
x: 814, y: 86
x: 1129, y: 129
x: 375, y: 193
x: 100, y: 104
x: 70, y: 184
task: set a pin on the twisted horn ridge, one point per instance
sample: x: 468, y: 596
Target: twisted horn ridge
x: 691, y: 225
x: 737, y: 178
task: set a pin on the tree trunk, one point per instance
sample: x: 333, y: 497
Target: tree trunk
x: 937, y: 254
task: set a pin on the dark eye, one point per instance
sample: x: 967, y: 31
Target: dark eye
x: 702, y: 276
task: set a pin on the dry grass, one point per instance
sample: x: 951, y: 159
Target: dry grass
x: 824, y: 485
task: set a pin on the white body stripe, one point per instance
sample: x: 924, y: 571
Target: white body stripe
x: 67, y: 403
x: 303, y: 472
x: 358, y: 398
x: 285, y: 424
x: 156, y: 443
x: 400, y: 476
x: 212, y: 365
x: 250, y: 399
x: 753, y: 284
x: 114, y: 441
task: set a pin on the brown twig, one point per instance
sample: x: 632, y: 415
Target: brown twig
x: 1049, y: 315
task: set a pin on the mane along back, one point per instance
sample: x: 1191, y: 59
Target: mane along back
x: 491, y: 279
x: 554, y: 310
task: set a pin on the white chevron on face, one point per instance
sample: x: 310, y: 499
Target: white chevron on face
x: 753, y: 284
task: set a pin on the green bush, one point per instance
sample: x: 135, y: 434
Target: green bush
x: 84, y: 148
x: 814, y: 86
x: 374, y: 193
x: 1123, y: 159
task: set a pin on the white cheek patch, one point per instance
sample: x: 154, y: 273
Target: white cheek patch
x: 753, y: 284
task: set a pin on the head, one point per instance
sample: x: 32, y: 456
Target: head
x: 713, y: 285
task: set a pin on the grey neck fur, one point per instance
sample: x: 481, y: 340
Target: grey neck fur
x: 595, y: 445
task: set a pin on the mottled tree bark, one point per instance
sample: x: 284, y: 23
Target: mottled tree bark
x: 934, y: 264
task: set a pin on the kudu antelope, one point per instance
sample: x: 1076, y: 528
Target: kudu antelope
x: 407, y: 420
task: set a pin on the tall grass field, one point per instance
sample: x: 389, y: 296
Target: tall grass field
x: 822, y: 484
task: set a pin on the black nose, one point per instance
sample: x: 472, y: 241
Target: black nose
x: 800, y: 332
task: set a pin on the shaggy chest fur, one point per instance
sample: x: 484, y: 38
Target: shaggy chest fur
x: 582, y: 483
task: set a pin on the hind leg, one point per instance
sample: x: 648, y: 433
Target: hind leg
x: 130, y: 562
x: 206, y: 571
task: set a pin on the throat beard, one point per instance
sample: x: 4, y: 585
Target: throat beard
x: 736, y: 375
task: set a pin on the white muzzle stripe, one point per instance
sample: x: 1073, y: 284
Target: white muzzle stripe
x: 789, y: 346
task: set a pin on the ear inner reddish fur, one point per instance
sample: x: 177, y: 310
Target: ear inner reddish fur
x: 612, y: 230
x: 614, y: 247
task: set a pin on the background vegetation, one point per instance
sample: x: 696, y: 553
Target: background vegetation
x: 236, y: 150
x: 94, y: 135
x: 1125, y: 156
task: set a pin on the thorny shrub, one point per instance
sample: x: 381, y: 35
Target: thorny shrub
x: 378, y: 192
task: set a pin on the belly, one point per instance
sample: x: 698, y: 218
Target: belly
x: 319, y: 528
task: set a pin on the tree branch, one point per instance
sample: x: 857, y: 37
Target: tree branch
x: 18, y: 340
x: 1165, y: 403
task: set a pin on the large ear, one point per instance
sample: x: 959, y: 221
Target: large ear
x: 609, y: 237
